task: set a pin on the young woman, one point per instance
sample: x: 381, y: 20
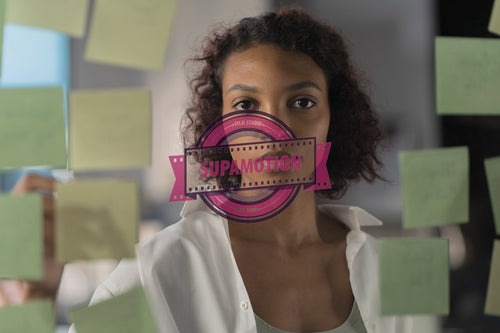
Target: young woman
x: 310, y: 268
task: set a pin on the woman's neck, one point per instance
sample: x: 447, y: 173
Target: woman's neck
x: 299, y: 224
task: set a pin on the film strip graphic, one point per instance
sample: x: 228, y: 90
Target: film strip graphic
x: 257, y: 165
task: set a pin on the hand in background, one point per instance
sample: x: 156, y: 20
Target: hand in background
x: 16, y: 291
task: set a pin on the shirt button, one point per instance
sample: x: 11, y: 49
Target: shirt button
x: 244, y: 305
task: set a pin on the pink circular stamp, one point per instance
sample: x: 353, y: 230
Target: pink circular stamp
x: 248, y: 166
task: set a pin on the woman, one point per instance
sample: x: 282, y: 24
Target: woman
x: 308, y: 269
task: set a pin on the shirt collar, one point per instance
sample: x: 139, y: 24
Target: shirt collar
x: 352, y: 216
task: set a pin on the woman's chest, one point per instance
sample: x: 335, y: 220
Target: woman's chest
x: 307, y: 291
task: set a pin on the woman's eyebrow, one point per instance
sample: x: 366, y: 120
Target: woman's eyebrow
x: 301, y: 85
x: 243, y: 87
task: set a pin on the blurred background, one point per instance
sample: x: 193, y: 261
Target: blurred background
x: 391, y: 41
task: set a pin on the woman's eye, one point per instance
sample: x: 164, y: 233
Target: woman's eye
x: 303, y: 103
x: 244, y: 105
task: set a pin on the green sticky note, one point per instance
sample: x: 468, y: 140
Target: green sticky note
x: 32, y: 129
x: 126, y: 313
x: 494, y: 26
x: 493, y: 295
x: 435, y: 186
x: 492, y: 167
x: 2, y: 21
x: 109, y: 129
x: 36, y: 316
x: 21, y: 236
x: 96, y: 219
x: 414, y: 276
x: 130, y: 33
x: 467, y: 76
x: 66, y: 16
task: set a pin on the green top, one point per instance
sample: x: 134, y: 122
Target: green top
x: 353, y: 324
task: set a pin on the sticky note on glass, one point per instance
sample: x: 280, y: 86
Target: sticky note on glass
x: 494, y: 26
x: 32, y: 129
x: 493, y: 295
x: 109, y: 129
x: 36, y: 316
x: 130, y: 33
x: 126, y: 313
x: 467, y: 76
x: 2, y: 21
x: 66, y: 16
x: 492, y: 166
x: 96, y: 219
x: 435, y: 186
x: 414, y: 276
x: 21, y: 236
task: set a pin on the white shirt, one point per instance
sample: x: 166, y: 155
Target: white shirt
x: 193, y: 283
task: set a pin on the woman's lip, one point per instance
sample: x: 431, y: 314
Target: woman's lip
x: 279, y: 154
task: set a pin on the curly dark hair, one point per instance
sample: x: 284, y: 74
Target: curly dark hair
x: 354, y: 131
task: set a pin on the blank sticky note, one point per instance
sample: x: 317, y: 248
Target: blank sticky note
x: 96, y: 219
x: 2, y: 20
x: 66, y: 16
x: 492, y: 166
x: 109, y: 129
x: 494, y: 26
x: 36, y: 316
x: 126, y: 313
x: 414, y: 276
x: 21, y: 236
x: 32, y: 129
x: 435, y: 186
x: 467, y: 76
x: 493, y: 295
x: 130, y: 33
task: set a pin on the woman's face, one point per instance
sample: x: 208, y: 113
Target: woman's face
x: 288, y: 85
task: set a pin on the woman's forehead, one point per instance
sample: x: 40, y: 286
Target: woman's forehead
x: 270, y: 62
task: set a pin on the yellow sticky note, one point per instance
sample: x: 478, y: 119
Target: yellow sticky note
x: 2, y: 20
x: 493, y: 294
x: 35, y: 316
x: 66, y: 16
x: 130, y: 33
x: 494, y: 26
x: 109, y: 129
x: 96, y: 219
x: 492, y: 167
x: 435, y: 186
x: 467, y: 76
x: 21, y: 236
x: 32, y: 129
x: 126, y: 313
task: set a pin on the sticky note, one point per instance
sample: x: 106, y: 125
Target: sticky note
x: 2, y: 21
x: 21, y: 236
x: 493, y: 295
x: 492, y: 167
x: 66, y: 16
x: 130, y: 33
x: 96, y: 219
x: 414, y: 276
x: 32, y: 129
x: 109, y: 129
x: 126, y: 313
x: 435, y: 186
x: 36, y: 316
x: 494, y: 26
x: 467, y: 76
